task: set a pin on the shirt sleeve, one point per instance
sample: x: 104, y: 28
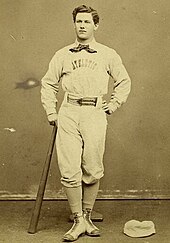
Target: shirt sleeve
x: 50, y: 85
x: 122, y: 82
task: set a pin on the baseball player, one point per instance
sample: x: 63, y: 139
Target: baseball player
x: 83, y: 68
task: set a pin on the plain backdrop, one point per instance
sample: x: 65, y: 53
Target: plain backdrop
x: 137, y: 156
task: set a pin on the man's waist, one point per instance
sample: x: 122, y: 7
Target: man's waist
x: 87, y: 101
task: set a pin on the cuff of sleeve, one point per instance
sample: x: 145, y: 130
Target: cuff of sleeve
x: 50, y: 111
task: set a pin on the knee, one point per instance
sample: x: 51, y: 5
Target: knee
x: 72, y: 181
x: 89, y: 180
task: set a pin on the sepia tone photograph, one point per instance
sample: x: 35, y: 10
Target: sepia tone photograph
x: 84, y: 121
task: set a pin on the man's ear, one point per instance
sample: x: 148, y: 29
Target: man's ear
x: 96, y: 26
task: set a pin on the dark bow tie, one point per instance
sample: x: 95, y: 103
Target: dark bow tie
x: 82, y: 47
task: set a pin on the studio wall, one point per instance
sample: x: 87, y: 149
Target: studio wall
x: 136, y: 159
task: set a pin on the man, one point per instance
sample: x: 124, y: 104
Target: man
x: 83, y: 68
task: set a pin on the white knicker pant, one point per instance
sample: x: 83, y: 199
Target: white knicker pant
x: 80, y: 143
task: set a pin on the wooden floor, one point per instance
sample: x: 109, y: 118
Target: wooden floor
x: 54, y: 221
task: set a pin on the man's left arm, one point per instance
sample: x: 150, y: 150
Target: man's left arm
x: 122, y: 84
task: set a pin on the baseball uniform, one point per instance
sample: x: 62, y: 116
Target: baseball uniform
x: 84, y: 73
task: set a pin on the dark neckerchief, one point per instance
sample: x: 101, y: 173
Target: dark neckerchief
x: 81, y: 47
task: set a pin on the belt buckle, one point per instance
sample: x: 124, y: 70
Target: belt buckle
x: 80, y: 101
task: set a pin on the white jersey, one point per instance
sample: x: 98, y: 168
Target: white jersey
x: 85, y: 74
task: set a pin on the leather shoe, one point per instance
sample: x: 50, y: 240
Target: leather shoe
x: 91, y: 229
x: 76, y: 230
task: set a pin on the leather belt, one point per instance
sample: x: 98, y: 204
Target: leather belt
x: 82, y: 101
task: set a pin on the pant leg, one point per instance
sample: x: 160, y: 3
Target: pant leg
x: 93, y: 130
x: 69, y: 146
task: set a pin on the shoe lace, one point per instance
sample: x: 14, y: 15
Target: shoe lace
x: 87, y: 216
x: 76, y: 221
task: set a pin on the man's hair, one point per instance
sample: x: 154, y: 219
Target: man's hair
x: 86, y: 9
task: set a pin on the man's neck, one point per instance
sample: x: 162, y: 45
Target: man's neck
x: 85, y: 42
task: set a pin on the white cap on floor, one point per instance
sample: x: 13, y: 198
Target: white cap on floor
x: 135, y: 228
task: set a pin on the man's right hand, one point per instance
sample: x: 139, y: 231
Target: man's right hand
x: 52, y: 119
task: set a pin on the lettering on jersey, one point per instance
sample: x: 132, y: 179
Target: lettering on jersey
x: 83, y: 63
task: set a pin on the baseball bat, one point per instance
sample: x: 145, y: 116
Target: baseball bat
x: 43, y: 181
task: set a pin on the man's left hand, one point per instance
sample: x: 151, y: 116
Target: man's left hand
x: 109, y: 108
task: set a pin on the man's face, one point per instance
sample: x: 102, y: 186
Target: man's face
x: 84, y: 26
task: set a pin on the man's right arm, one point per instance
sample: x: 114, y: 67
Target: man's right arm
x: 50, y: 87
